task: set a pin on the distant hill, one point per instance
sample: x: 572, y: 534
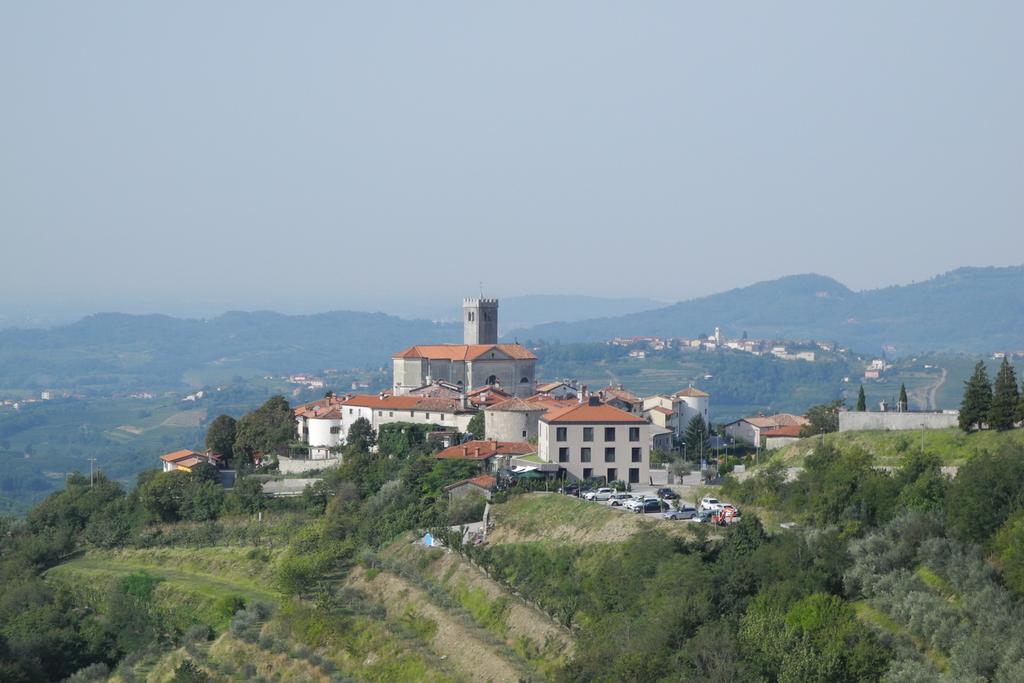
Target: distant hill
x: 114, y: 351
x: 967, y: 310
x: 535, y: 309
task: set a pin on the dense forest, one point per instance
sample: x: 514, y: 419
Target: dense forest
x: 895, y: 575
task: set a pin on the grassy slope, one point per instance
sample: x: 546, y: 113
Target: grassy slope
x: 952, y: 445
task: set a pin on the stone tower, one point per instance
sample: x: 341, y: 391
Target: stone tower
x: 480, y: 321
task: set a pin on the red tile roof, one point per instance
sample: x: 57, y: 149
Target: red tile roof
x: 483, y: 449
x: 464, y: 352
x: 518, y: 405
x: 179, y: 455
x: 376, y: 402
x: 691, y: 392
x: 663, y: 411
x: 599, y: 414
x: 774, y: 421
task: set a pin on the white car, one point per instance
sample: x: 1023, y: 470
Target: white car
x: 709, y: 503
x: 619, y: 498
x: 636, y: 502
x: 600, y: 494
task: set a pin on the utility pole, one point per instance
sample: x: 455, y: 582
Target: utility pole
x: 92, y: 461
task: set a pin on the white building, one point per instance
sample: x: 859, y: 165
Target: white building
x: 675, y: 412
x: 324, y: 424
x: 596, y: 440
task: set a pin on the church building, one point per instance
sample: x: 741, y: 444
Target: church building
x: 479, y: 361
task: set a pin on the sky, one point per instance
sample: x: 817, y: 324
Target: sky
x: 194, y: 157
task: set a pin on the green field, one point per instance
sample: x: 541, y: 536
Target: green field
x: 953, y: 446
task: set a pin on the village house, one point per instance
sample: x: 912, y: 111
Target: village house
x: 592, y: 439
x: 482, y: 485
x: 751, y: 430
x: 186, y: 460
x: 675, y: 412
x: 492, y: 455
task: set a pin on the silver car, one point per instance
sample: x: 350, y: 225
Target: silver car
x: 684, y: 512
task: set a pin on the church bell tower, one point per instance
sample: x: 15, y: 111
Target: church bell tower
x: 480, y: 321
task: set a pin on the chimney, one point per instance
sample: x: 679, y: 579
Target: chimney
x: 380, y: 396
x: 582, y: 393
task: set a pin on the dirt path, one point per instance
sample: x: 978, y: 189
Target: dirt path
x: 473, y: 657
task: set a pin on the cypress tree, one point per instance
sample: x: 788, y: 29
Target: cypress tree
x: 904, y: 403
x: 977, y: 399
x: 862, y: 402
x: 1005, y: 399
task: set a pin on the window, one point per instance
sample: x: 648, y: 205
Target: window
x: 335, y: 430
x: 636, y: 455
x: 585, y: 454
x: 471, y: 316
x: 349, y: 411
x: 588, y: 472
x: 563, y: 454
x: 391, y: 413
x: 442, y: 417
x: 634, y: 475
x: 412, y: 413
x: 609, y: 454
x: 524, y: 433
x: 427, y: 416
x: 524, y: 380
x: 634, y: 433
x: 609, y: 433
x: 561, y: 434
x: 588, y: 433
x: 613, y: 475
x: 492, y: 380
x: 380, y: 413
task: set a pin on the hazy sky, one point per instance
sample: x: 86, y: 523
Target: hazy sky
x: 198, y: 156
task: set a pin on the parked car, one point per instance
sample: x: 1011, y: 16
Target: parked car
x: 603, y: 493
x: 684, y: 512
x: 703, y: 516
x: 570, y: 490
x: 618, y: 498
x: 709, y: 503
x: 667, y: 493
x: 649, y: 505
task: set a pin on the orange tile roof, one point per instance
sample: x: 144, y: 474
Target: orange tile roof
x: 779, y: 420
x: 179, y: 455
x: 663, y: 411
x: 582, y: 412
x: 551, y: 386
x: 190, y: 462
x: 374, y: 401
x: 620, y: 393
x: 692, y: 393
x: 518, y: 405
x: 464, y: 352
x: 483, y: 449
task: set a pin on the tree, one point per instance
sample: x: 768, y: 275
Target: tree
x: 220, y: 436
x: 977, y: 399
x: 904, y: 403
x: 862, y: 403
x: 476, y: 426
x: 696, y: 437
x: 360, y: 436
x: 164, y: 495
x: 1002, y: 413
x: 823, y: 419
x: 267, y: 429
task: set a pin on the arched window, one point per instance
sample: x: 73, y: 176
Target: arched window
x: 492, y: 380
x: 525, y: 380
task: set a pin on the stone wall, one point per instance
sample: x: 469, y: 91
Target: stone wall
x: 299, y: 465
x: 860, y: 422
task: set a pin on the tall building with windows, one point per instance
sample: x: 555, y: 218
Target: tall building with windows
x: 479, y: 361
x: 594, y: 440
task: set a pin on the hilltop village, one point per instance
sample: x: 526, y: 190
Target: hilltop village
x: 556, y: 427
